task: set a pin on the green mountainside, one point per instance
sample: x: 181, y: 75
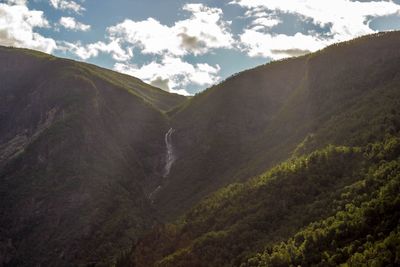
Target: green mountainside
x: 335, y: 125
x: 346, y: 94
x: 339, y: 205
x: 80, y: 147
x: 292, y: 163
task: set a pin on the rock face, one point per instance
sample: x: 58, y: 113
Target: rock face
x: 79, y: 148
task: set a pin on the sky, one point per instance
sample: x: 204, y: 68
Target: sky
x: 186, y: 46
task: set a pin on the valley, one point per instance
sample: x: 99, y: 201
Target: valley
x: 292, y: 163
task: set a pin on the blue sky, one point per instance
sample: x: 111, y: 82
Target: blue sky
x: 185, y: 46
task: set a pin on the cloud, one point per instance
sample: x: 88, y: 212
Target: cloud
x: 16, y: 2
x: 202, y: 31
x: 191, y: 43
x: 67, y: 5
x: 87, y: 51
x: 161, y: 83
x: 279, y: 46
x: 344, y: 19
x: 17, y: 24
x: 347, y: 18
x: 172, y: 73
x: 150, y: 36
x: 291, y: 52
x: 266, y: 22
x: 71, y: 24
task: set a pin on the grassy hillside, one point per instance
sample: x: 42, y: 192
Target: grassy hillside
x: 21, y: 62
x: 80, y: 148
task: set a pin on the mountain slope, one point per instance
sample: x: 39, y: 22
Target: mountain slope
x: 261, y: 117
x: 262, y: 158
x: 335, y: 206
x: 337, y: 132
x: 80, y: 147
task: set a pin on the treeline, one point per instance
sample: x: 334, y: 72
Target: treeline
x: 337, y: 205
x: 363, y: 232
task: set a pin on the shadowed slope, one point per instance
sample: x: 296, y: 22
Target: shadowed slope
x: 80, y: 147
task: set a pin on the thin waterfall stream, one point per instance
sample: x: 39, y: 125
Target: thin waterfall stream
x: 169, y: 160
x: 170, y: 156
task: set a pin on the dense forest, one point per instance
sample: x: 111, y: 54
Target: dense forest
x: 339, y: 205
x: 332, y: 201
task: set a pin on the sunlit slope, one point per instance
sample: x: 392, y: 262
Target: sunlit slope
x: 333, y: 200
x: 346, y: 94
x: 338, y: 205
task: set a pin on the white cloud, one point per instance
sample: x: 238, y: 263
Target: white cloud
x: 279, y: 46
x: 92, y: 50
x: 172, y: 74
x: 17, y: 2
x: 149, y: 35
x: 67, y: 5
x: 266, y: 22
x: 345, y: 19
x: 71, y: 24
x: 204, y: 30
x: 17, y: 24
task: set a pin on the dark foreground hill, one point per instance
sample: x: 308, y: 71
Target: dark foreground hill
x: 290, y: 163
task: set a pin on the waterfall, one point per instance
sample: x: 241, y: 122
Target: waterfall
x: 170, y: 157
x: 153, y: 193
x: 169, y: 160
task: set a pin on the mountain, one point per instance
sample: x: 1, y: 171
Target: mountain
x: 338, y: 206
x: 332, y: 119
x: 295, y: 162
x: 340, y: 95
x: 80, y: 149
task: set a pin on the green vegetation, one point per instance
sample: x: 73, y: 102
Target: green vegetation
x: 339, y: 205
x: 344, y: 95
x: 79, y: 152
x: 329, y: 122
x: 292, y: 163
